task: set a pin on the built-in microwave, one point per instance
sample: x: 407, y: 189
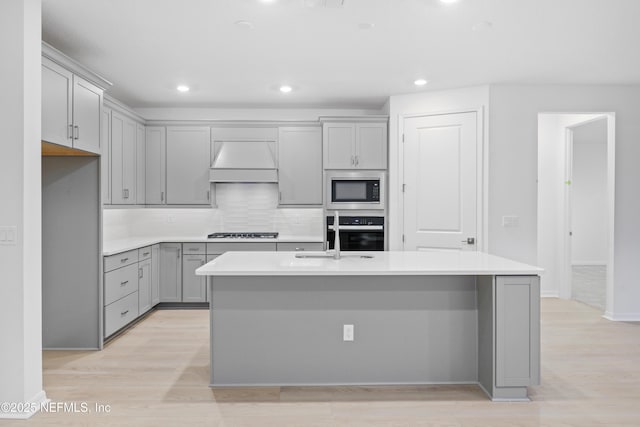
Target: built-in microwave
x: 355, y: 190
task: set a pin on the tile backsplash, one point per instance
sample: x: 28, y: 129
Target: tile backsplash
x: 240, y: 207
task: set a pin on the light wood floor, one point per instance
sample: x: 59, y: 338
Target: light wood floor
x: 157, y: 374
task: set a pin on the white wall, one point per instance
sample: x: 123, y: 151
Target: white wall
x: 551, y: 176
x: 424, y: 103
x: 512, y: 174
x: 20, y: 191
x: 589, y: 244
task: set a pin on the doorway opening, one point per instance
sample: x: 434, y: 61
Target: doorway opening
x: 576, y: 171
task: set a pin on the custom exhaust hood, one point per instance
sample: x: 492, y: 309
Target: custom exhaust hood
x: 244, y: 161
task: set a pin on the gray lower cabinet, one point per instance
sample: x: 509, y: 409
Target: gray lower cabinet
x: 194, y: 287
x: 128, y: 287
x: 517, y: 309
x: 155, y: 275
x: 120, y: 313
x: 144, y: 286
x: 120, y: 291
x: 171, y: 272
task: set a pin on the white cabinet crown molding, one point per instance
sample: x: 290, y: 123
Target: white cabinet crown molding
x: 120, y: 107
x: 72, y: 65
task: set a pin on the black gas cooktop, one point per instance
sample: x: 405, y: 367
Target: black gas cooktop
x: 243, y: 235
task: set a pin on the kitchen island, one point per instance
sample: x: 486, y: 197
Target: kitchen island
x: 285, y: 318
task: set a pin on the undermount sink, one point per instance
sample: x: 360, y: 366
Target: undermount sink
x: 329, y: 255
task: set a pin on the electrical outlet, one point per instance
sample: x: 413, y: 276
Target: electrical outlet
x: 510, y: 221
x: 9, y: 236
x: 347, y: 332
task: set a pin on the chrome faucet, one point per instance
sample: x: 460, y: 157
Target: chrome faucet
x: 336, y: 230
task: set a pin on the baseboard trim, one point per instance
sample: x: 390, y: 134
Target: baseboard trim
x: 549, y: 294
x: 34, y: 404
x: 622, y: 317
x: 589, y: 263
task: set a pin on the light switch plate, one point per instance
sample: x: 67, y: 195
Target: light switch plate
x: 510, y: 221
x: 9, y: 235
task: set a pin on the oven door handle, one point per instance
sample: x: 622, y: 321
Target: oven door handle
x: 358, y: 227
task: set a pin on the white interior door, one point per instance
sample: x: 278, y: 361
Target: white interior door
x: 440, y: 193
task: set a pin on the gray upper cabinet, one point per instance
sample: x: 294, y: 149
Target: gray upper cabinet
x: 140, y: 164
x: 71, y: 109
x: 371, y: 145
x: 339, y: 145
x: 156, y: 146
x: 188, y: 163
x: 87, y: 106
x: 123, y: 159
x: 300, y: 166
x: 106, y: 156
x: 57, y: 104
x: 355, y: 145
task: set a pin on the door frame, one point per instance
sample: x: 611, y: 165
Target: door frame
x: 482, y: 169
x: 565, y: 287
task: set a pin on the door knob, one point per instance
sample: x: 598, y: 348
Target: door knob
x: 470, y: 241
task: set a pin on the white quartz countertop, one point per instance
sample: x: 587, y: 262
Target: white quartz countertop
x: 116, y: 246
x: 352, y: 264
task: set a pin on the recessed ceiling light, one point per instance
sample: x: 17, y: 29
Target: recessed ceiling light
x: 285, y: 89
x: 183, y: 88
x: 448, y: 1
x: 420, y: 82
x: 268, y: 1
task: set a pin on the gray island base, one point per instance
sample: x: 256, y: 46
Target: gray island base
x: 281, y: 321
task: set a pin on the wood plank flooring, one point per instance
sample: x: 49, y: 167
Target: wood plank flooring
x: 157, y: 374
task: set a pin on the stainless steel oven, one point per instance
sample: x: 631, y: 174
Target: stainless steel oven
x: 362, y: 190
x: 358, y: 233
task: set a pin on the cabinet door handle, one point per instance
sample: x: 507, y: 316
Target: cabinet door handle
x: 140, y: 273
x: 178, y: 253
x: 162, y: 196
x: 77, y: 132
x: 70, y: 132
x: 352, y: 161
x: 124, y: 260
x: 145, y: 253
x: 357, y: 160
x: 124, y: 313
x: 299, y: 249
x: 124, y: 283
x: 208, y: 195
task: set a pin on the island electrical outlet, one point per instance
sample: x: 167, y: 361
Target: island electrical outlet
x: 347, y: 332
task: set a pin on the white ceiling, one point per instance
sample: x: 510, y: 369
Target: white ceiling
x: 148, y: 47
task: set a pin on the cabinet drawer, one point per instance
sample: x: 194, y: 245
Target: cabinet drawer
x: 120, y: 313
x: 120, y: 260
x: 218, y: 248
x: 120, y: 282
x: 144, y: 253
x: 194, y: 248
x: 304, y: 246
